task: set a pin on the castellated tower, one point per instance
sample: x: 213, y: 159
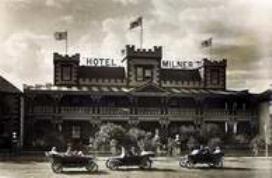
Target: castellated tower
x: 214, y: 75
x: 143, y: 65
x: 66, y: 69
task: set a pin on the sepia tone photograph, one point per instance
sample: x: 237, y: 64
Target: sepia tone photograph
x: 135, y: 88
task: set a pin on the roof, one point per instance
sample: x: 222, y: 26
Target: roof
x: 6, y: 86
x: 9, y: 84
x: 180, y: 75
x: 266, y: 95
x: 127, y: 90
x: 101, y: 72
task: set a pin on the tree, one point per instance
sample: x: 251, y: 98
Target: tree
x: 192, y: 143
x: 186, y: 132
x: 214, y: 142
x: 208, y: 131
x: 106, y: 133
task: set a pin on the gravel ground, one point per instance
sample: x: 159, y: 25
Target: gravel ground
x: 162, y: 167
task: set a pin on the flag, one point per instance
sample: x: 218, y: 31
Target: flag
x: 60, y: 36
x: 206, y: 43
x: 123, y: 52
x: 136, y: 23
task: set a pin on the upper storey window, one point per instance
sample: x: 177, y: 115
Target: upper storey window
x: 139, y: 74
x: 215, y: 76
x: 143, y: 73
x: 66, y: 73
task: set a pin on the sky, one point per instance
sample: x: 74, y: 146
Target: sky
x: 241, y: 31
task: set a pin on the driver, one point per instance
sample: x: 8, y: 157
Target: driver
x: 217, y: 150
x: 53, y: 150
x: 69, y: 151
x: 206, y: 150
x: 134, y: 151
x: 195, y: 151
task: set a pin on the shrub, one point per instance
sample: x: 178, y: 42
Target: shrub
x: 214, y: 142
x: 208, y: 131
x: 258, y: 140
x: 106, y: 133
x: 187, y: 131
x: 192, y: 143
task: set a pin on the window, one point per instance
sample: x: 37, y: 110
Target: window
x: 75, y: 132
x: 148, y: 74
x: 144, y: 73
x: 215, y: 77
x: 139, y: 74
x: 66, y: 73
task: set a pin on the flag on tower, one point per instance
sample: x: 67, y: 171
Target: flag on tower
x: 206, y: 43
x: 138, y: 22
x: 60, y: 35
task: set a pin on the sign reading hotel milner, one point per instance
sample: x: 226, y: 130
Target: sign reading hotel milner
x: 181, y: 64
x: 102, y: 62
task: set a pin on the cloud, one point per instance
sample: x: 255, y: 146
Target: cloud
x: 241, y: 32
x: 24, y: 57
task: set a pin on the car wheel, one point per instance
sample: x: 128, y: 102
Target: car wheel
x: 189, y: 164
x: 220, y: 163
x: 107, y: 163
x: 146, y: 164
x: 56, y: 167
x: 182, y: 162
x: 92, y: 167
x: 113, y: 165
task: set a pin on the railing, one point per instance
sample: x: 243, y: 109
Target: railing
x: 114, y: 110
x: 80, y: 110
x: 216, y: 112
x: 182, y: 111
x: 43, y: 109
x: 149, y: 111
x: 243, y: 114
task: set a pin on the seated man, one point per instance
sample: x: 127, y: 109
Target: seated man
x: 206, y: 150
x: 69, y: 151
x: 134, y: 151
x: 217, y: 150
x: 80, y: 153
x: 195, y: 152
x: 53, y: 150
x: 123, y: 152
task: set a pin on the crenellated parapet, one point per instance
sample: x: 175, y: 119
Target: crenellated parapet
x: 156, y: 52
x: 60, y: 57
x: 207, y: 62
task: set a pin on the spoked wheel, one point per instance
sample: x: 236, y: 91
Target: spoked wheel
x: 107, y: 163
x: 220, y: 163
x: 146, y: 164
x: 111, y: 164
x: 92, y: 167
x: 182, y: 162
x: 189, y: 164
x: 56, y: 167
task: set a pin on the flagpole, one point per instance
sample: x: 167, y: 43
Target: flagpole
x: 66, y: 43
x: 141, y: 35
x: 210, y: 49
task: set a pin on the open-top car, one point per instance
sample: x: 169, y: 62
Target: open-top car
x: 203, y: 156
x: 60, y: 160
x: 142, y: 160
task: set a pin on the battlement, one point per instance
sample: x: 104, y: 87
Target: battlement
x: 207, y: 62
x: 60, y: 57
x: 156, y: 52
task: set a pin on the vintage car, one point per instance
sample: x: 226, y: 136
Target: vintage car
x: 60, y: 160
x: 212, y: 159
x: 142, y: 160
